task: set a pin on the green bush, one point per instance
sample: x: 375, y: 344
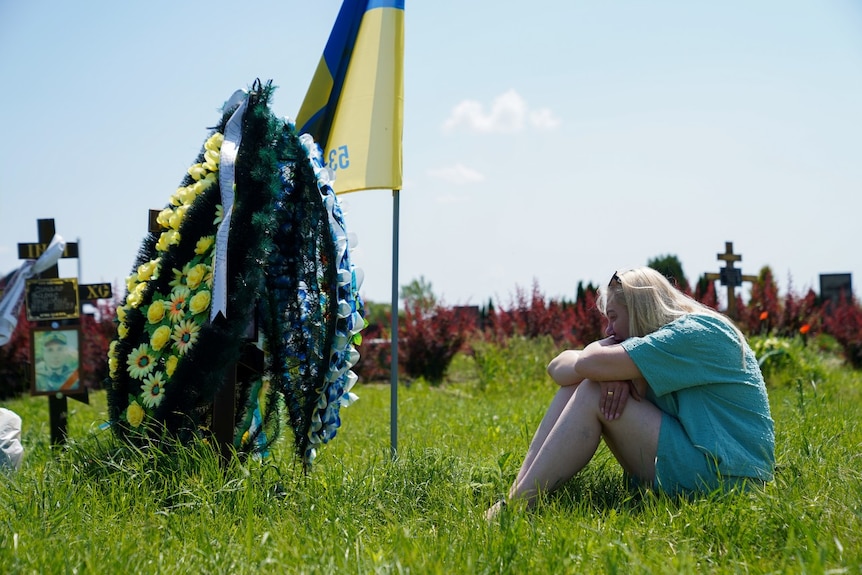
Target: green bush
x: 519, y: 362
x: 787, y: 360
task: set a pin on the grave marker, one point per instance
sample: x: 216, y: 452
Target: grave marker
x: 57, y: 404
x: 54, y: 304
x: 832, y: 286
x: 731, y: 277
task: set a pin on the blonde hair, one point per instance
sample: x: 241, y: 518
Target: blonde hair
x: 652, y: 301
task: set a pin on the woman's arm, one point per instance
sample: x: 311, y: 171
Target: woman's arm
x: 562, y: 368
x: 602, y: 360
x: 606, y: 360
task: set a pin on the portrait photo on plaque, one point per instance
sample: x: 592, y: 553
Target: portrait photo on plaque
x: 56, y: 361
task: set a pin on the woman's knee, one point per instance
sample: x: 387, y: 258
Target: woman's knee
x: 589, y: 387
x: 587, y: 394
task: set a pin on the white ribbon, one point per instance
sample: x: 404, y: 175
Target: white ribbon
x: 13, y: 295
x: 227, y: 181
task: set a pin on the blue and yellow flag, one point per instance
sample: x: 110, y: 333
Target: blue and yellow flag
x: 354, y: 107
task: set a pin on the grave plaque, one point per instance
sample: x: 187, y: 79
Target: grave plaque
x: 833, y: 285
x: 90, y: 292
x: 730, y: 277
x: 51, y: 299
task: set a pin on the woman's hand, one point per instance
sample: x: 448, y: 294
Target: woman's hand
x: 614, y: 396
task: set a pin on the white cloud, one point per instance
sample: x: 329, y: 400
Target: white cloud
x: 543, y: 119
x: 508, y: 113
x: 457, y: 174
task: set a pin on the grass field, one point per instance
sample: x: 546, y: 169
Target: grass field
x: 97, y: 507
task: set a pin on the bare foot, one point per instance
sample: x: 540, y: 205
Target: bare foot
x: 494, y: 511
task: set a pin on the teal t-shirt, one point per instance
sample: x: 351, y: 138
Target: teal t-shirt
x: 699, y: 372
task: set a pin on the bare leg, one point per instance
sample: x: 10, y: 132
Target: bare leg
x: 558, y: 453
x: 564, y: 394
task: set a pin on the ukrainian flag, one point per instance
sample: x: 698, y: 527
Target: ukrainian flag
x: 354, y: 107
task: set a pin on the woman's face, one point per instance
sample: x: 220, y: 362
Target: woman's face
x: 618, y: 320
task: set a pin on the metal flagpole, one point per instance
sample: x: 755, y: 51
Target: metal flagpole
x: 393, y: 363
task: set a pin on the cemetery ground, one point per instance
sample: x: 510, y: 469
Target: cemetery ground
x: 96, y: 506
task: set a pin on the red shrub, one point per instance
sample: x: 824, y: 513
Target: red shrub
x: 844, y: 322
x: 535, y: 316
x: 15, y: 361
x: 430, y: 339
x: 375, y: 355
x: 800, y: 315
x: 705, y: 293
x: 764, y: 308
x: 589, y: 322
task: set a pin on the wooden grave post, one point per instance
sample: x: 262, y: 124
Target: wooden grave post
x: 57, y: 404
x: 731, y: 277
x: 251, y: 361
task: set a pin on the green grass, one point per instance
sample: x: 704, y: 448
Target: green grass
x: 97, y: 507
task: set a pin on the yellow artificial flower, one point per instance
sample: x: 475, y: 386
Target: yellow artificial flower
x: 147, y: 271
x: 204, y: 244
x: 122, y: 330
x: 209, y: 180
x: 133, y: 300
x: 113, y: 366
x: 200, y: 302
x: 131, y: 282
x: 121, y: 313
x: 136, y: 296
x: 204, y: 183
x: 156, y: 312
x: 160, y: 337
x: 219, y: 214
x: 134, y: 414
x: 167, y: 239
x: 162, y: 244
x: 195, y: 276
x: 177, y: 218
x: 141, y: 362
x: 187, y: 195
x: 197, y: 172
x: 171, y: 364
x: 211, y: 160
x: 165, y: 216
x: 179, y: 276
x: 179, y: 303
x: 185, y: 335
x: 214, y: 142
x: 153, y: 391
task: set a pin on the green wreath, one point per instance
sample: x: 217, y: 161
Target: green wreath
x: 280, y: 251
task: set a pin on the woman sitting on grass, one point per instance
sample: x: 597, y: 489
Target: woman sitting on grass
x: 704, y: 423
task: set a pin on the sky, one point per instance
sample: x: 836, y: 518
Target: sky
x: 545, y: 143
